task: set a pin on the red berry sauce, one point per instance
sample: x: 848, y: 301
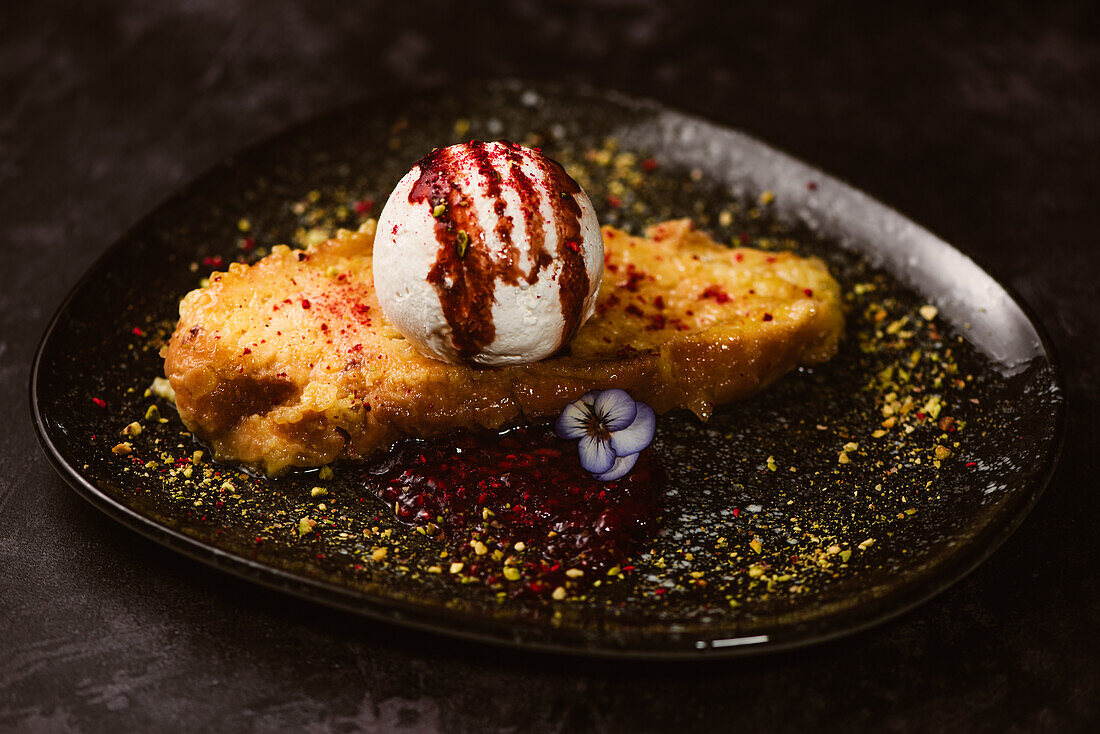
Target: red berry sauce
x: 521, y: 486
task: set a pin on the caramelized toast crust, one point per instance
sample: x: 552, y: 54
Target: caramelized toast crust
x: 290, y: 362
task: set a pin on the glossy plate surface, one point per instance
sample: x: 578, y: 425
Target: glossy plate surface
x: 838, y: 498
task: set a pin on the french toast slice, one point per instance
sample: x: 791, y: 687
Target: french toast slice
x: 290, y: 361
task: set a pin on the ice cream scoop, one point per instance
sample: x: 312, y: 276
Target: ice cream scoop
x: 488, y: 254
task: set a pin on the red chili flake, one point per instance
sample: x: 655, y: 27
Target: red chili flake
x: 213, y: 262
x: 633, y: 278
x: 767, y: 317
x: 247, y: 244
x: 971, y: 463
x: 247, y: 351
x: 740, y: 257
x: 811, y: 185
x: 137, y: 331
x: 305, y: 303
x: 656, y: 323
x: 257, y: 540
x: 736, y: 511
x: 625, y: 352
x: 770, y: 259
x: 573, y: 245
x: 628, y: 568
x: 717, y: 294
x: 660, y: 591
x: 633, y: 310
x: 614, y: 201
x: 659, y: 302
x: 649, y: 164
x: 99, y: 402
x: 809, y: 292
x: 363, y: 206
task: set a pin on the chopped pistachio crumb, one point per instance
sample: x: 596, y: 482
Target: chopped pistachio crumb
x: 162, y: 388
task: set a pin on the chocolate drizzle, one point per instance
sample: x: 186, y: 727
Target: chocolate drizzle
x: 465, y: 271
x: 573, y: 279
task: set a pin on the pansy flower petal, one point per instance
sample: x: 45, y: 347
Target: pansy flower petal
x: 573, y: 421
x: 596, y: 454
x: 620, y: 468
x: 615, y: 409
x: 637, y: 435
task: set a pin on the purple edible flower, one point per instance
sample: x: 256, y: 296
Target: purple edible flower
x: 612, y: 428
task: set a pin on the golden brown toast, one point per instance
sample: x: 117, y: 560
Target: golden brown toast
x: 290, y: 362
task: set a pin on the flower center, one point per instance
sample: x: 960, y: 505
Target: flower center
x: 595, y: 424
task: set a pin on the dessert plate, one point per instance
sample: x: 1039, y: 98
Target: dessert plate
x: 840, y: 497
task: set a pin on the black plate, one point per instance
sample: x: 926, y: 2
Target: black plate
x: 774, y: 533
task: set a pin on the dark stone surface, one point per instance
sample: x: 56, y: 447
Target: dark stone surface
x: 983, y: 127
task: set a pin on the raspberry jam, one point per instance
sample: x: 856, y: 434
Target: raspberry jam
x: 517, y: 510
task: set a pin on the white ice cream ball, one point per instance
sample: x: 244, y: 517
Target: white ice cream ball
x: 488, y: 254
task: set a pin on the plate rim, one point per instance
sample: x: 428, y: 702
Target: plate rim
x: 949, y: 569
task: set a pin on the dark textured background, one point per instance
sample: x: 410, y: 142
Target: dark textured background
x: 983, y: 127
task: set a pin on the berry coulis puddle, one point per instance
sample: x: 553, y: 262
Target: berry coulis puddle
x: 516, y: 509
